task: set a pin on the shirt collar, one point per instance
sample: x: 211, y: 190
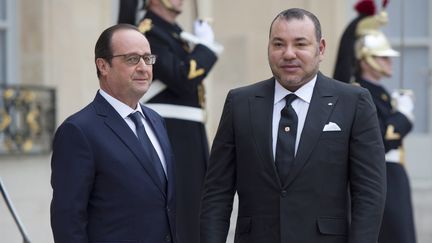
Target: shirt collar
x: 304, y: 92
x: 123, y: 109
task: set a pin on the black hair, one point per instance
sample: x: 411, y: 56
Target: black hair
x: 298, y: 13
x: 103, y: 44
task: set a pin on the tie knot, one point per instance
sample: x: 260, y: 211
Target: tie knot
x: 290, y: 98
x: 136, y: 118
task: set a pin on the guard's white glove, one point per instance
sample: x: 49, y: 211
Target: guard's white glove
x: 404, y: 102
x: 203, y: 31
x: 203, y: 35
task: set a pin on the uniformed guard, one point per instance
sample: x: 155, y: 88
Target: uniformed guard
x: 372, y: 62
x: 177, y: 94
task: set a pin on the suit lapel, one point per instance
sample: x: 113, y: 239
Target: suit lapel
x: 321, y: 105
x: 116, y: 123
x: 261, y: 113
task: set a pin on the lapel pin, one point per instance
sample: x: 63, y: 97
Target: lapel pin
x: 330, y: 104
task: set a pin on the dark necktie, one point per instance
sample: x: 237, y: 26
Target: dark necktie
x: 148, y: 148
x: 287, y: 132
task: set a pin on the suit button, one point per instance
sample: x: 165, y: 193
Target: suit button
x: 167, y: 238
x: 284, y: 193
x: 168, y: 209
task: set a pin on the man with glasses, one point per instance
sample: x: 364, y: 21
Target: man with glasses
x: 177, y: 94
x: 112, y: 164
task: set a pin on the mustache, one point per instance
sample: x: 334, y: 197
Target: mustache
x: 290, y: 63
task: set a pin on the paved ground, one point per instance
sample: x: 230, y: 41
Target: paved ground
x: 422, y: 199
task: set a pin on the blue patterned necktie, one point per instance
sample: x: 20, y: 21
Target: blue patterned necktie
x: 148, y: 148
x: 287, y: 132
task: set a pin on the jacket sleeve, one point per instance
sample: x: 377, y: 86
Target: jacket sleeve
x: 219, y: 188
x: 366, y: 172
x: 71, y: 179
x: 181, y: 73
x: 394, y: 129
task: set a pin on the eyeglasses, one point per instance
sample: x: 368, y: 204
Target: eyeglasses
x: 134, y: 59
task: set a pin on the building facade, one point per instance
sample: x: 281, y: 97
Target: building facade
x: 50, y: 43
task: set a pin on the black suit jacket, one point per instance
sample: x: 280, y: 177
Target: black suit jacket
x: 104, y: 187
x: 332, y: 171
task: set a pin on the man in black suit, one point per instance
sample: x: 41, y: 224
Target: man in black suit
x: 112, y: 164
x: 307, y: 169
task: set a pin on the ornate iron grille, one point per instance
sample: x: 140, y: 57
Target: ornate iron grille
x: 27, y: 119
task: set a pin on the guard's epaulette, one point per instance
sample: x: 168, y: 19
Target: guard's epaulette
x: 384, y: 97
x: 145, y: 25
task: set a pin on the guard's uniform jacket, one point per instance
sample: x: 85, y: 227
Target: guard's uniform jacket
x: 177, y: 94
x: 394, y: 127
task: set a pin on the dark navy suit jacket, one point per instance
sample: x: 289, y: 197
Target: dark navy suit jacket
x: 104, y: 188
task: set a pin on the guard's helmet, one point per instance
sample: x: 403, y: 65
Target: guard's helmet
x: 345, y: 62
x: 374, y: 44
x: 366, y: 23
x: 371, y: 41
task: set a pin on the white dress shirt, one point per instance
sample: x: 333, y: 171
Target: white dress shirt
x: 124, y: 111
x: 300, y: 105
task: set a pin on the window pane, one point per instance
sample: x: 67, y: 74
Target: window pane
x: 2, y: 57
x: 415, y: 16
x: 416, y: 77
x: 2, y: 9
